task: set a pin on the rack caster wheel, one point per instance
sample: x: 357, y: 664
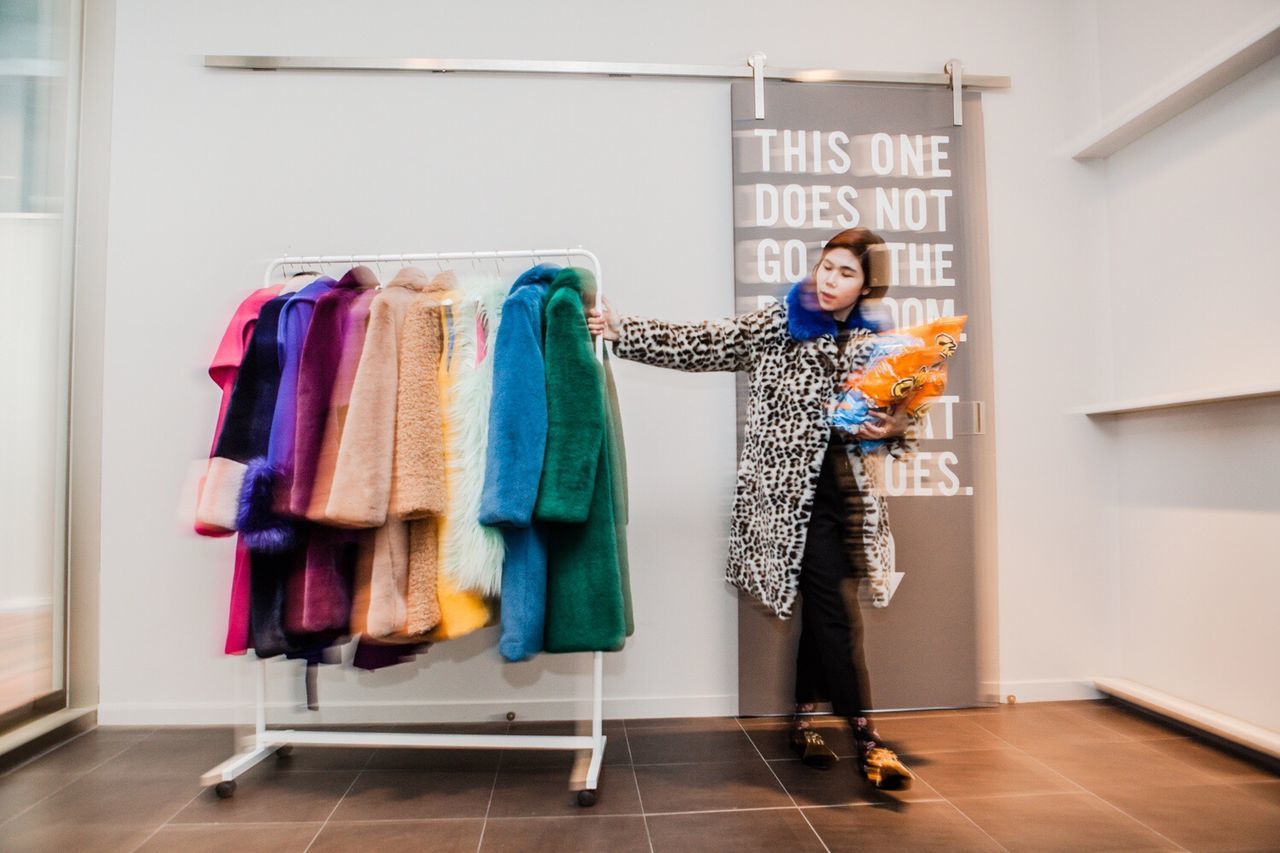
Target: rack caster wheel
x: 285, y: 751
x: 586, y: 799
x: 224, y: 790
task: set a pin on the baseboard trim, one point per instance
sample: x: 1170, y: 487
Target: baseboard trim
x: 339, y: 712
x: 631, y: 707
x: 30, y: 739
x: 1198, y: 717
x: 1040, y: 690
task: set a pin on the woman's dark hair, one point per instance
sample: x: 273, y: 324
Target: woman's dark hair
x: 868, y: 247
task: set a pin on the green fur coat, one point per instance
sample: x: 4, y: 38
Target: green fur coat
x: 581, y: 497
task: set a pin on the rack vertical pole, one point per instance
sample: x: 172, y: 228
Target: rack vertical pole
x: 597, y: 700
x: 260, y: 713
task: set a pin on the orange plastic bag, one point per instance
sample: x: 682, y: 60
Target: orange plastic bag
x: 907, y: 367
x: 933, y: 382
x: 896, y: 377
x: 943, y: 332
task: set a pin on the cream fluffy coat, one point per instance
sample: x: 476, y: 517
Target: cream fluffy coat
x: 472, y: 552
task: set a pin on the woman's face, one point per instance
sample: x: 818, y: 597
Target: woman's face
x: 838, y: 280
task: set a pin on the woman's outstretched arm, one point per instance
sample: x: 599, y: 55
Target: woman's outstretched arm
x: 727, y: 344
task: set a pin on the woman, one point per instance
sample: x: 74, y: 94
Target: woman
x: 805, y: 513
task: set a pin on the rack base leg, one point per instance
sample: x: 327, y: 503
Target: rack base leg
x: 590, y: 779
x: 223, y: 777
x: 597, y: 759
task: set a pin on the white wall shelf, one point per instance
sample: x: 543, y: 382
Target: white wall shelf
x: 1227, y: 63
x: 1173, y: 401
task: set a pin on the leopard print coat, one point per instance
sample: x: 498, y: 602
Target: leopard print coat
x: 794, y: 367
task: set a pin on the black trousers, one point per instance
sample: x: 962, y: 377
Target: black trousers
x: 829, y: 664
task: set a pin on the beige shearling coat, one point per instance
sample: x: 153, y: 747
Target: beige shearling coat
x: 423, y: 496
x: 360, y: 495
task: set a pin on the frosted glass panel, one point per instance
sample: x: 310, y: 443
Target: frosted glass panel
x: 39, y: 49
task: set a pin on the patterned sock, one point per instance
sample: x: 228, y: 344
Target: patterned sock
x: 865, y: 735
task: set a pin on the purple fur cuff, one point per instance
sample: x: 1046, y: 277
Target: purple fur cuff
x: 256, y: 519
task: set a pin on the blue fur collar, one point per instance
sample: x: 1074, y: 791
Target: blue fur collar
x: 805, y: 320
x: 539, y: 276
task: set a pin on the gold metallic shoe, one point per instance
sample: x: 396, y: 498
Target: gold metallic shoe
x: 885, y: 771
x: 813, y: 749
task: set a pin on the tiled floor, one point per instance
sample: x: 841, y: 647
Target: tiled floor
x: 1056, y: 776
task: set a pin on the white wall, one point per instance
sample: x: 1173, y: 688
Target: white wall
x: 1191, y: 226
x: 213, y: 173
x: 1142, y: 44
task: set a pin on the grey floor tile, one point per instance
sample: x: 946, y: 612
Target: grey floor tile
x: 1222, y: 765
x: 767, y: 831
x: 1268, y: 790
x: 1059, y: 822
x: 986, y: 772
x: 540, y: 791
x: 909, y: 826
x: 619, y: 834
x: 427, y: 836
x: 1205, y: 817
x: 173, y: 753
x: 709, y: 739
x: 842, y: 784
x: 96, y: 813
x: 706, y: 787
x: 272, y: 796
x: 917, y: 735
x: 103, y: 800
x: 28, y: 837
x: 1120, y: 766
x: 410, y: 795
x: 20, y: 791
x: 1128, y: 722
x: 204, y: 838
x: 82, y: 754
x: 1048, y: 726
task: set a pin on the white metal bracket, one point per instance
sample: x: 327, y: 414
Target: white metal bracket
x: 955, y: 70
x: 756, y: 61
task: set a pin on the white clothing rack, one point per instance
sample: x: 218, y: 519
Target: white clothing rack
x: 285, y: 261
x: 265, y: 742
